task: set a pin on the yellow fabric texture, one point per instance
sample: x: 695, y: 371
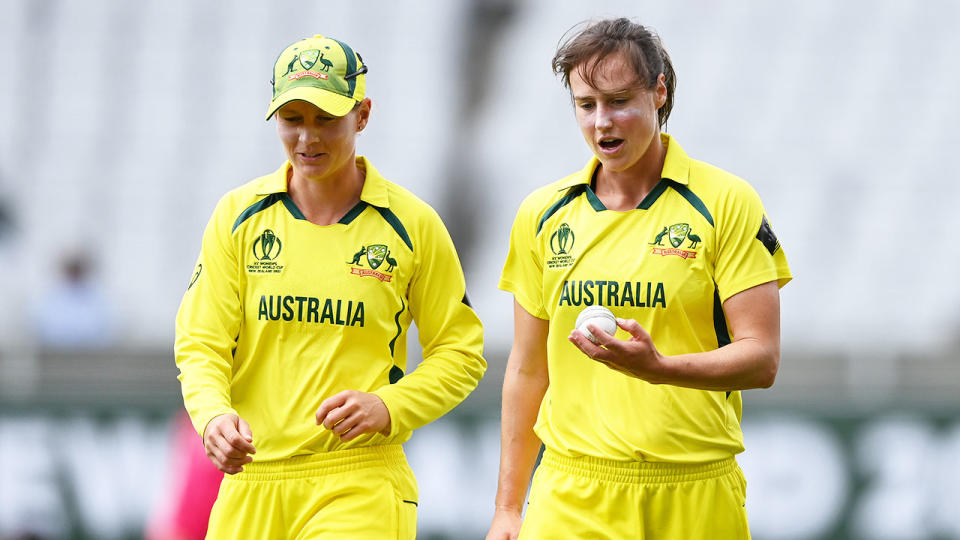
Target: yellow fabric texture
x: 282, y: 314
x: 694, y: 242
x: 611, y: 500
x: 361, y: 493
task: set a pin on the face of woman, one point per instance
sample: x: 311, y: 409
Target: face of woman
x: 618, y: 119
x: 320, y: 145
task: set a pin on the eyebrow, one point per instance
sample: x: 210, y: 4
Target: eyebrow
x: 615, y: 93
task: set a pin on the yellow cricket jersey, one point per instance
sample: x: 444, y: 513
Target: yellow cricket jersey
x: 698, y: 238
x: 281, y: 314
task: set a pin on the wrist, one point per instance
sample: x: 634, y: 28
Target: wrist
x: 664, y: 372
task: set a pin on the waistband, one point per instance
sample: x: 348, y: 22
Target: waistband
x: 636, y: 472
x: 315, y: 465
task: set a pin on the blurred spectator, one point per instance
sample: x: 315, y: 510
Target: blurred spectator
x: 75, y: 313
x: 184, y: 509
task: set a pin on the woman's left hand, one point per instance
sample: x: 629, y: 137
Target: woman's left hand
x: 352, y: 413
x: 636, y: 357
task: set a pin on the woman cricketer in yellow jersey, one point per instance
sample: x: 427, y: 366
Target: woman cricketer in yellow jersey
x: 640, y: 429
x: 291, y: 337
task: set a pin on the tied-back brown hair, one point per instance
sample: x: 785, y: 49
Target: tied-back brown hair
x: 600, y: 39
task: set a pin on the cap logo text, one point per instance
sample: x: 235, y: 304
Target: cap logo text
x: 308, y: 73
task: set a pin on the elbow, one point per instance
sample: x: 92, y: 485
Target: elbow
x: 767, y: 372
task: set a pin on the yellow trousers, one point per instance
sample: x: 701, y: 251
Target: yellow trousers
x: 596, y: 498
x: 361, y: 493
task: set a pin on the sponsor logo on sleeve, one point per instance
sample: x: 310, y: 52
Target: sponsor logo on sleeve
x: 767, y: 238
x: 196, y: 275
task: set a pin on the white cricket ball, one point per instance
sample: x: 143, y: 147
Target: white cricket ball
x: 600, y: 317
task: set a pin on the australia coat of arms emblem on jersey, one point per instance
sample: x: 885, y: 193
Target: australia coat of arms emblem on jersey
x: 377, y: 255
x: 677, y: 234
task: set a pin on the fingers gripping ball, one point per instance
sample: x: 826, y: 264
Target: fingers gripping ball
x: 601, y: 317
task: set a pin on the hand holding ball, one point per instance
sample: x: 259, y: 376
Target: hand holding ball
x: 600, y: 317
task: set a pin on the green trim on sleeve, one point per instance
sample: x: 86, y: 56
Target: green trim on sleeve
x: 720, y: 320
x: 396, y: 319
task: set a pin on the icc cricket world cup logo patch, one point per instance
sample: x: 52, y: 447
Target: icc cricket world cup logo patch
x: 265, y: 250
x: 376, y: 255
x: 676, y: 235
x: 561, y: 244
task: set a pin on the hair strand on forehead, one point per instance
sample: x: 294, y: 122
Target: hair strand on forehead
x: 587, y: 44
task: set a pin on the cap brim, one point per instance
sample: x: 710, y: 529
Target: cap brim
x: 330, y: 102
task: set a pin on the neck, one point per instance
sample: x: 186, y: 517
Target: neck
x: 325, y: 201
x: 626, y: 189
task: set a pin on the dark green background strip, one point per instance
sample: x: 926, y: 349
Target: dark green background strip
x: 258, y: 206
x: 351, y: 65
x: 572, y: 194
x: 595, y: 201
x: 291, y: 206
x: 654, y: 194
x: 396, y: 319
x: 394, y: 222
x: 692, y: 198
x: 720, y: 321
x: 353, y: 213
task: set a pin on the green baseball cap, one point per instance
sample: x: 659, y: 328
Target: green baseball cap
x: 319, y: 70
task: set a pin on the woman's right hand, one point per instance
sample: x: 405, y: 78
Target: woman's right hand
x: 229, y: 441
x: 505, y: 526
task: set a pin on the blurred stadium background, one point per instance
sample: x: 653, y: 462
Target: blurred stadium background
x: 121, y: 124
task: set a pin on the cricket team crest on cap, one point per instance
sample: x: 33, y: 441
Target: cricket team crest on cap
x: 307, y: 59
x: 323, y: 71
x: 265, y: 250
x: 676, y: 234
x: 376, y: 256
x: 562, y: 241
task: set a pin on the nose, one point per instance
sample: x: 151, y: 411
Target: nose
x: 308, y: 134
x: 603, y: 118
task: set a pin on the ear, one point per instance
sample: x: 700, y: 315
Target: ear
x: 661, y: 91
x: 363, y: 113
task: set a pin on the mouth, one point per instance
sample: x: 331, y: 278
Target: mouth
x: 610, y: 145
x: 310, y: 156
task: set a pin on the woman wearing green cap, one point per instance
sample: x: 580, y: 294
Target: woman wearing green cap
x: 291, y: 337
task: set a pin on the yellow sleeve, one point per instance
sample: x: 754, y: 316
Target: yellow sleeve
x: 748, y: 252
x: 523, y: 270
x: 450, y: 333
x: 208, y: 324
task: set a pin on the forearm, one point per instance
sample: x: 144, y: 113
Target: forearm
x: 519, y: 445
x: 744, y: 364
x: 205, y: 385
x: 440, y: 382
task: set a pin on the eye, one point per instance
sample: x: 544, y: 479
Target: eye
x: 586, y: 105
x: 291, y: 119
x: 619, y: 101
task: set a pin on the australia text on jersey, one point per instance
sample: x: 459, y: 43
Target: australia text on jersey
x: 308, y: 309
x: 613, y: 293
